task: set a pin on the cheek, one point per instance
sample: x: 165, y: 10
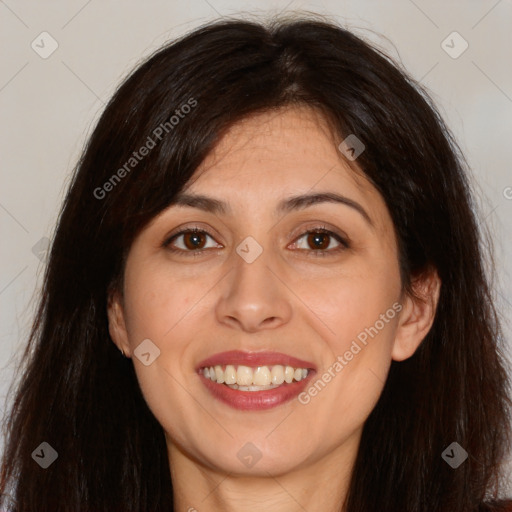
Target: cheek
x: 156, y: 302
x: 343, y: 394
x: 359, y: 314
x: 156, y: 309
x: 354, y: 299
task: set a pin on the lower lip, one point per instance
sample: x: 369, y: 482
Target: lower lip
x: 256, y: 400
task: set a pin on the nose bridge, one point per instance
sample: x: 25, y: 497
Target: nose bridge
x: 254, y: 297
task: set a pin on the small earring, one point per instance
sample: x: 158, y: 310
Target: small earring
x: 122, y: 352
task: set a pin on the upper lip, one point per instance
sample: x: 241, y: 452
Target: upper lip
x: 239, y: 357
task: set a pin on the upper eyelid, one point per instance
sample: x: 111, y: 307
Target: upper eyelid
x: 310, y: 225
x: 342, y: 238
x: 186, y: 229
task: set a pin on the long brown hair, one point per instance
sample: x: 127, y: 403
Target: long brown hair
x: 77, y: 393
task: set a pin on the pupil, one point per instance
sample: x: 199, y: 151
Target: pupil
x: 317, y: 239
x: 194, y: 239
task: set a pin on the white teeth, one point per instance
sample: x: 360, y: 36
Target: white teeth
x: 289, y: 373
x: 277, y: 374
x: 256, y: 388
x: 230, y: 374
x: 261, y: 376
x: 246, y: 378
x: 219, y: 375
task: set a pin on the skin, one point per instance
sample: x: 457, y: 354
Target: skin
x: 288, y: 300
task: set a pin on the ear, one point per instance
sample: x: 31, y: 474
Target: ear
x: 117, y: 324
x: 417, y: 315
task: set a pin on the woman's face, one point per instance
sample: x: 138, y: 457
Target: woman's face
x: 255, y: 280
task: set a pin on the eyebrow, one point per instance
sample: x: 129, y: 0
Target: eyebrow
x: 209, y: 204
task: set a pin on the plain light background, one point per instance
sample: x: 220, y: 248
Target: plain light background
x: 48, y: 107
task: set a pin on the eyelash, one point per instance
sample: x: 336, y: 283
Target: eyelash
x: 344, y: 244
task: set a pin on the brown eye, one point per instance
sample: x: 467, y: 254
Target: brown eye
x: 194, y: 240
x: 318, y: 240
x: 191, y: 241
x: 321, y: 242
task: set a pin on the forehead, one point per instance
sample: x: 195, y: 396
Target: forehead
x: 269, y: 156
x: 291, y: 144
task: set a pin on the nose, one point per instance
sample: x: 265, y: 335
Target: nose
x: 253, y: 297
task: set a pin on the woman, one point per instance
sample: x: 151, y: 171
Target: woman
x: 266, y: 290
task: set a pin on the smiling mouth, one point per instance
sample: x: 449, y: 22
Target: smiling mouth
x: 259, y: 378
